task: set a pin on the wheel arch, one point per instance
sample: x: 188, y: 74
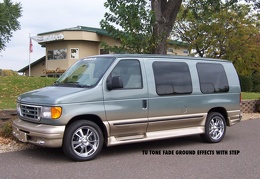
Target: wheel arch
x: 93, y: 118
x: 222, y: 111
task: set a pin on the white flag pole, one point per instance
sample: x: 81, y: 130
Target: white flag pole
x: 30, y: 50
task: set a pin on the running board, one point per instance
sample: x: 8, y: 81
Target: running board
x: 112, y: 140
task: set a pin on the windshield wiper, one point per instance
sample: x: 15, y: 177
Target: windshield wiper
x: 55, y: 83
x: 71, y: 83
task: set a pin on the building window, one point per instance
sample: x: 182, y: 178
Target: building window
x: 170, y: 50
x: 172, y: 78
x: 212, y: 77
x: 57, y: 54
x: 74, y: 53
x: 185, y: 51
x: 103, y: 51
x: 54, y: 75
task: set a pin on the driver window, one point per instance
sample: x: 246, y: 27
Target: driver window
x: 130, y: 72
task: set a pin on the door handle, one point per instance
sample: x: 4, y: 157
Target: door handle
x: 145, y: 104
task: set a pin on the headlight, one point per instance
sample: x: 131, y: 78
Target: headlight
x: 51, y: 112
x: 18, y: 108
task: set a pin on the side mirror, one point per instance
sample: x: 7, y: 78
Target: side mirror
x: 115, y: 83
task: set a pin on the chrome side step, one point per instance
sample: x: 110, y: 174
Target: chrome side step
x: 114, y: 140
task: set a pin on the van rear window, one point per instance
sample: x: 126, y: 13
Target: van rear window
x: 212, y: 78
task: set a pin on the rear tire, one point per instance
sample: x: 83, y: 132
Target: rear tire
x: 215, y: 128
x: 83, y: 140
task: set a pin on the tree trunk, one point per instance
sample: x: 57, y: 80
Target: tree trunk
x: 165, y: 12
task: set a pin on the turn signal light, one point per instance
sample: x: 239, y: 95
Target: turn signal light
x: 56, y: 112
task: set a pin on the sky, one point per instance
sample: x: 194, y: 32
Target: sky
x: 44, y: 16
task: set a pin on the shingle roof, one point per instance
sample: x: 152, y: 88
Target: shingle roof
x: 80, y: 28
x: 32, y: 64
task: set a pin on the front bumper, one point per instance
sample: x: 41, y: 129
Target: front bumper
x: 38, y: 134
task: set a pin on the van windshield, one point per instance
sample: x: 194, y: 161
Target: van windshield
x: 86, y: 72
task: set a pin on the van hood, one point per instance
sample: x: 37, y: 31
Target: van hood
x: 48, y: 95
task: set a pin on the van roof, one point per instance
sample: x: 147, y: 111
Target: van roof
x: 160, y: 56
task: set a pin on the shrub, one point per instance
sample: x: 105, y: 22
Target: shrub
x: 256, y: 88
x: 256, y: 82
x: 6, y: 130
x: 4, y: 72
x: 246, y: 83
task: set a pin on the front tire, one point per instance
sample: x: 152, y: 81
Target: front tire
x: 215, y: 128
x: 83, y: 140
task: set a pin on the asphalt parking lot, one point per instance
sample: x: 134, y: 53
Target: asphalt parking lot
x: 237, y: 156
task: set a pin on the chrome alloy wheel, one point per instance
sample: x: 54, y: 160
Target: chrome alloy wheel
x: 216, y: 128
x: 85, y: 141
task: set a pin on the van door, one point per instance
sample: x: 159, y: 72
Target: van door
x: 170, y: 96
x: 126, y: 105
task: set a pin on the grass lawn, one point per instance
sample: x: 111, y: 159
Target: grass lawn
x: 246, y: 95
x: 11, y: 87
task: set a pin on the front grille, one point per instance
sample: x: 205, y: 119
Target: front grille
x: 30, y: 112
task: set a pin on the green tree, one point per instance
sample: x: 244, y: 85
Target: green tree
x: 130, y: 22
x: 226, y: 30
x: 255, y: 2
x: 9, y: 14
x: 5, y: 72
x: 140, y: 27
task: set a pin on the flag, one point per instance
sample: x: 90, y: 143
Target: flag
x: 31, y: 46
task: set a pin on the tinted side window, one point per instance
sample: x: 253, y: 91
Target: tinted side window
x: 130, y: 72
x: 172, y: 78
x: 212, y: 77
